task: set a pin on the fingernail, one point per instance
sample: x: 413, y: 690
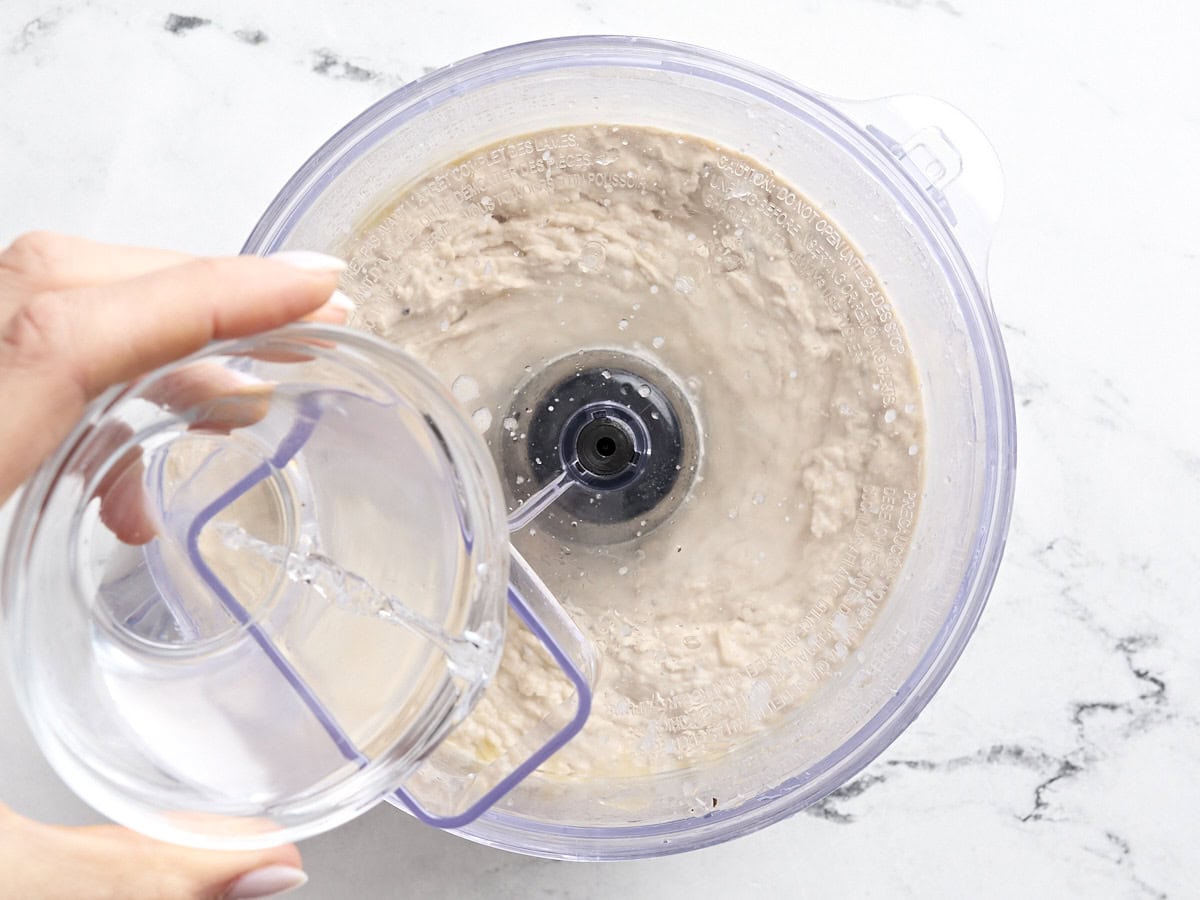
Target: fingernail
x: 309, y: 260
x: 270, y: 881
x: 243, y: 379
x: 334, y: 311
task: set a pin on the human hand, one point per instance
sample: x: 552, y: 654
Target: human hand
x: 75, y: 318
x: 105, y: 862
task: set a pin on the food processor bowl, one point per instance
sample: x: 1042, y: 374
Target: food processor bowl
x: 915, y: 189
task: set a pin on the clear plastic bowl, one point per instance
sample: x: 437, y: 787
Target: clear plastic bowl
x: 917, y: 188
x: 189, y: 687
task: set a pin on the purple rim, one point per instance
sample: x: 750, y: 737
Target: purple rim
x: 291, y: 444
x: 583, y: 708
x: 524, y: 835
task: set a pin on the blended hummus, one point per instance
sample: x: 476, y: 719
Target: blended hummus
x: 724, y: 618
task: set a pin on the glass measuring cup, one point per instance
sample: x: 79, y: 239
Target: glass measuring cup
x: 253, y: 591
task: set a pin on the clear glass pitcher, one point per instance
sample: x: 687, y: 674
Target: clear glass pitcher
x: 254, y: 590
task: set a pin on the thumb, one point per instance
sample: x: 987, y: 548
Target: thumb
x: 104, y: 861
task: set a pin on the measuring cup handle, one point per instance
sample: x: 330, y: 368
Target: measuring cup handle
x: 948, y: 157
x: 575, y: 655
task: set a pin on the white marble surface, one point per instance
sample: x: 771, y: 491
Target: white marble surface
x: 1060, y: 759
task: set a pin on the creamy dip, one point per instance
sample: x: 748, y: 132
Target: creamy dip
x: 757, y: 590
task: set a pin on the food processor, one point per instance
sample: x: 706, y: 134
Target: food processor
x: 604, y: 424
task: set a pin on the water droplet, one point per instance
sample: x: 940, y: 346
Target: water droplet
x: 592, y: 257
x: 520, y: 479
x: 644, y: 390
x: 889, y: 416
x: 465, y: 388
x: 510, y: 424
x: 654, y: 288
x: 624, y: 570
x: 793, y: 374
x: 684, y: 284
x: 759, y: 498
x: 912, y: 450
x: 482, y: 418
x: 605, y: 374
x: 623, y: 324
x: 692, y: 642
x: 658, y: 342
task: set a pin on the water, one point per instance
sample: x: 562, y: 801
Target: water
x: 215, y: 711
x: 538, y: 502
x: 468, y: 656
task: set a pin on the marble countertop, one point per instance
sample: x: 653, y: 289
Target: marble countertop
x: 1060, y: 758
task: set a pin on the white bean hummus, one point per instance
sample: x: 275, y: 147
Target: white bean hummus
x: 723, y: 619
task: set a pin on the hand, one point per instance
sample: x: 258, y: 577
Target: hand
x: 104, y: 862
x: 75, y: 318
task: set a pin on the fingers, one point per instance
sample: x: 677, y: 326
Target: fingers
x: 50, y: 862
x: 48, y: 261
x: 151, y: 866
x: 110, y: 333
x: 61, y: 348
x: 214, y: 399
x: 124, y: 509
